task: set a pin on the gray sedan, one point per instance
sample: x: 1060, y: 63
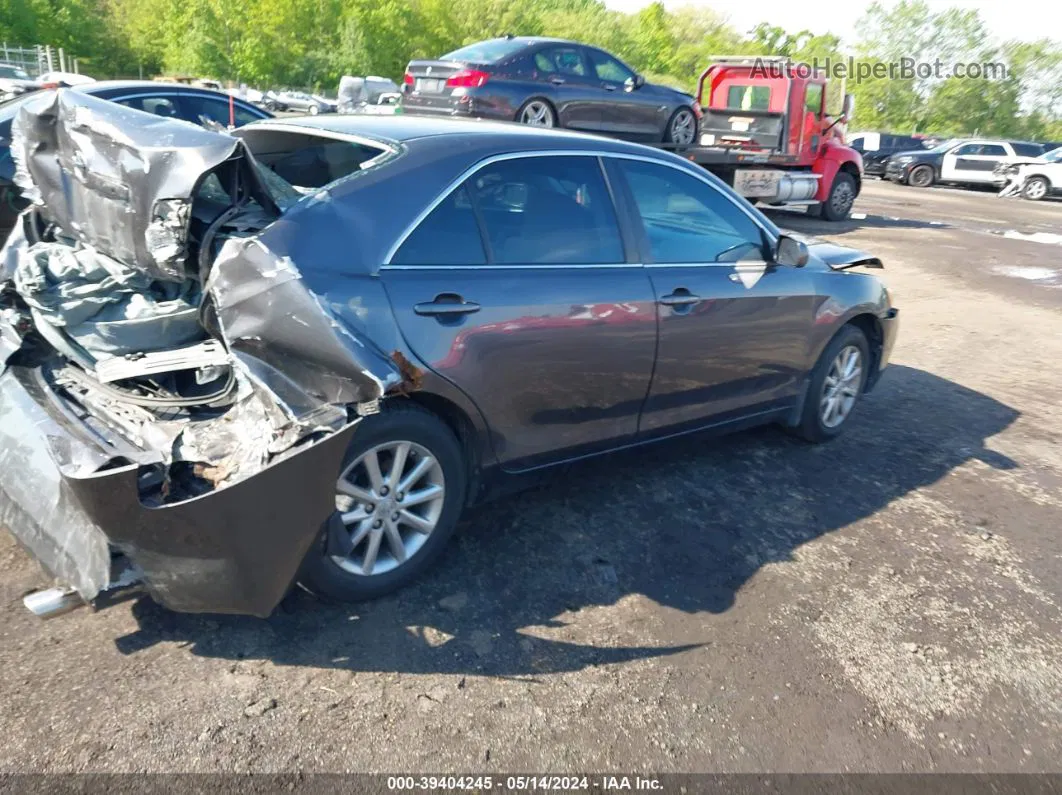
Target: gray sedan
x: 308, y: 347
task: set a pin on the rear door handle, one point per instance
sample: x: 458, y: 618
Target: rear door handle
x: 447, y: 305
x: 681, y: 297
x: 557, y: 81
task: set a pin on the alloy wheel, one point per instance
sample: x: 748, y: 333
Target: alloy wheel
x: 1035, y: 189
x: 683, y: 128
x: 841, y: 388
x: 537, y: 114
x: 390, y: 500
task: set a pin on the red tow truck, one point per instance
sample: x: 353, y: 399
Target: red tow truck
x: 764, y: 130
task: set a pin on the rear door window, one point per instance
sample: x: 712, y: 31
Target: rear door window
x: 1028, y: 150
x: 206, y: 110
x: 566, y: 61
x: 547, y: 210
x: 155, y: 105
x: 448, y: 236
x: 993, y: 150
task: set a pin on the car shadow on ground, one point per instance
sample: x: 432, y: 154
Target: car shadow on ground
x: 685, y: 524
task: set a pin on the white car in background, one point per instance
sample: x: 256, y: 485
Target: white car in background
x: 1036, y: 178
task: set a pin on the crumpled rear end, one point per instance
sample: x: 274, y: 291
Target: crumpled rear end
x: 173, y: 397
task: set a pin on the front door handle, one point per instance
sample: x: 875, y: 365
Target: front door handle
x: 447, y: 305
x: 681, y: 297
x: 608, y: 87
x: 557, y: 81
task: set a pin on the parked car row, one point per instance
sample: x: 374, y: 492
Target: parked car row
x: 959, y: 161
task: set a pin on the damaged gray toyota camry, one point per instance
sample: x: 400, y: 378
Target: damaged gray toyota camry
x: 230, y: 363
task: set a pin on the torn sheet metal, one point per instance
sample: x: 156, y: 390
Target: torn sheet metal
x: 117, y: 179
x: 285, y: 338
x: 106, y: 307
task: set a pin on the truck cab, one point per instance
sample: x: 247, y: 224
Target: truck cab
x: 766, y: 130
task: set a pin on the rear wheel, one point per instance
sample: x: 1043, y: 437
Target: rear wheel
x: 836, y: 386
x: 399, y: 496
x: 537, y: 113
x: 682, y: 128
x: 842, y: 196
x: 920, y: 177
x: 1034, y: 189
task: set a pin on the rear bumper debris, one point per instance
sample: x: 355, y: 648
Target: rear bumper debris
x: 76, y: 507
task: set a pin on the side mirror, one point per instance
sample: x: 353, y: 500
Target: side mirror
x: 634, y: 83
x: 848, y: 107
x: 791, y: 251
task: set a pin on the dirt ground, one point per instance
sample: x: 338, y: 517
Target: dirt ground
x: 887, y: 602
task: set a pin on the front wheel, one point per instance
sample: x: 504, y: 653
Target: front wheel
x: 920, y: 177
x: 682, y: 128
x: 314, y: 110
x: 398, y: 496
x: 537, y: 113
x: 836, y: 385
x: 842, y: 196
x: 1034, y: 189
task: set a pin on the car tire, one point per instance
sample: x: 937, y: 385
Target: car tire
x: 838, y: 204
x: 921, y: 177
x: 314, y: 110
x: 1035, y: 188
x: 815, y: 425
x: 682, y: 123
x: 329, y: 574
x: 537, y: 112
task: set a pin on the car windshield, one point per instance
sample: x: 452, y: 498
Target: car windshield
x: 486, y: 51
x: 13, y: 72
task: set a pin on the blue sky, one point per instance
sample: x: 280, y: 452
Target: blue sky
x: 1006, y: 19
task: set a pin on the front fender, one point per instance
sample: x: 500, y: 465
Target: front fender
x: 831, y: 160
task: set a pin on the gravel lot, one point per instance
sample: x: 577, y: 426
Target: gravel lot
x: 887, y: 602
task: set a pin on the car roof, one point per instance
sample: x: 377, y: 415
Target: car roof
x: 154, y: 85
x: 400, y: 129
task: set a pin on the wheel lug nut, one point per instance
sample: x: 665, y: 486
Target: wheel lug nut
x: 394, y: 517
x: 401, y: 496
x: 377, y: 524
x: 383, y: 491
x: 369, y: 507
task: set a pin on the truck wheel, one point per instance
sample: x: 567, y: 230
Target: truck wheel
x: 399, y: 496
x: 1034, y: 189
x: 842, y: 196
x: 920, y: 177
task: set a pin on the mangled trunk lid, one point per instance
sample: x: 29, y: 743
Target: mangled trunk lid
x: 178, y: 395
